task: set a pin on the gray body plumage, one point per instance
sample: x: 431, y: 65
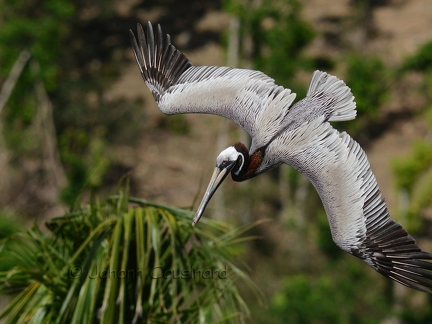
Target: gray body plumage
x: 298, y: 135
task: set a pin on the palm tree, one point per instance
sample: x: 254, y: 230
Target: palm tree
x: 124, y: 260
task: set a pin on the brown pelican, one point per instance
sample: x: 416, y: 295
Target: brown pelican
x: 300, y: 136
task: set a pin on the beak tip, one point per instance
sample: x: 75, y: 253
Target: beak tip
x: 218, y: 176
x: 195, y: 220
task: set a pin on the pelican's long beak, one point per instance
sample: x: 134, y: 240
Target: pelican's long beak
x: 219, y: 174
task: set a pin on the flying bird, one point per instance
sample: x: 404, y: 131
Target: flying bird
x: 299, y: 135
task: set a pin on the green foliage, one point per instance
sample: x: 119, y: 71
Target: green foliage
x: 416, y: 317
x: 86, y: 162
x: 279, y: 45
x: 368, y: 79
x: 79, y: 54
x: 413, y: 172
x: 8, y: 227
x: 421, y: 61
x: 279, y: 37
x: 421, y: 193
x: 310, y: 299
x: 38, y: 27
x: 125, y: 260
x: 409, y: 169
x: 413, y: 175
x: 176, y: 124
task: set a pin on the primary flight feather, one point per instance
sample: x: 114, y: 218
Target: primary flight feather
x: 298, y: 135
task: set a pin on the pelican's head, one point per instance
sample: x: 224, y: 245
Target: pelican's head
x: 232, y: 160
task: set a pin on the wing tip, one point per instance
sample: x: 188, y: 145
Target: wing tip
x: 161, y: 63
x: 392, y: 252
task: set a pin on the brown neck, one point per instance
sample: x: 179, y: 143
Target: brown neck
x: 251, y: 162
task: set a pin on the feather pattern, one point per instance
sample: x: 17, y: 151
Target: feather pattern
x: 245, y: 96
x: 357, y: 213
x: 298, y: 135
x: 327, y: 96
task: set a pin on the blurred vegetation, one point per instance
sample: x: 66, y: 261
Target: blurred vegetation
x: 421, y: 61
x: 320, y: 299
x: 413, y: 172
x: 124, y: 260
x: 275, y: 37
x: 368, y: 79
x: 8, y: 227
x: 176, y: 124
x: 76, y: 49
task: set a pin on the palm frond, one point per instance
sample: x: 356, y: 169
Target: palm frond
x: 125, y: 261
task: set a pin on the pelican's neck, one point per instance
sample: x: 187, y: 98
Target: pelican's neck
x: 251, y: 163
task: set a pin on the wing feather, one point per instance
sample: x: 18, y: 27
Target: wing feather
x: 242, y: 95
x: 358, y: 215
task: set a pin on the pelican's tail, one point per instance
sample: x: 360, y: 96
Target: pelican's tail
x: 160, y: 63
x: 336, y: 95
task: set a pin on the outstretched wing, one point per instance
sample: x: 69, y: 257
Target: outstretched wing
x: 358, y: 216
x: 245, y: 96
